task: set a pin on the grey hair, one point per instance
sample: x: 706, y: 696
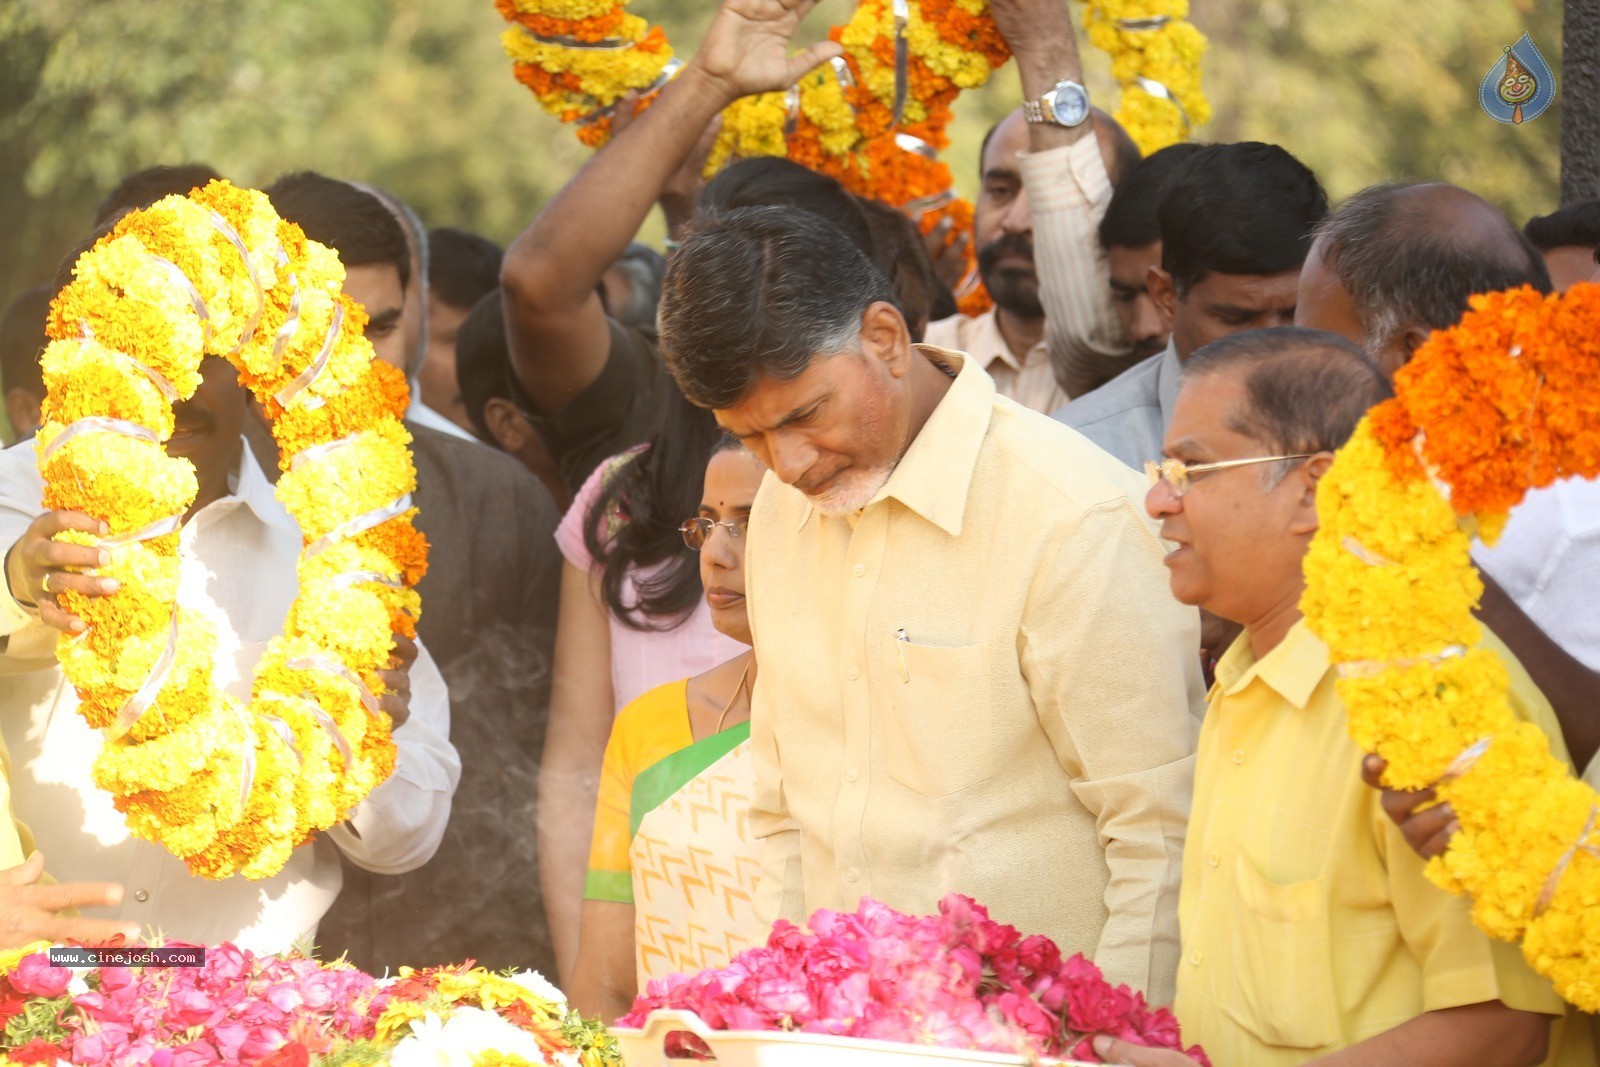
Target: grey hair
x: 761, y: 292
x: 1306, y: 390
x: 1404, y: 267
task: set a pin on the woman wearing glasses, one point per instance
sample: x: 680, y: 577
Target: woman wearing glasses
x: 672, y: 867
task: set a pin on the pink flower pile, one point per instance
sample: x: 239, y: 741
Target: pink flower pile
x: 957, y: 979
x: 236, y: 1009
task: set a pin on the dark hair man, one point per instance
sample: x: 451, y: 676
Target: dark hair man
x: 1131, y: 237
x: 483, y: 376
x: 1567, y: 238
x: 143, y: 188
x: 1235, y: 223
x: 1016, y: 163
x: 1394, y: 263
x: 489, y: 615
x: 1287, y: 853
x: 22, y: 340
x: 462, y: 269
x: 909, y: 269
x: 941, y: 581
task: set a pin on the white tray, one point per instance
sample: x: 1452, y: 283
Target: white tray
x: 766, y: 1048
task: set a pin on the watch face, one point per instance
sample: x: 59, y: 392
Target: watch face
x: 1071, y: 105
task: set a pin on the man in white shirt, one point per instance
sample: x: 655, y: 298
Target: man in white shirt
x: 240, y: 549
x: 1041, y: 171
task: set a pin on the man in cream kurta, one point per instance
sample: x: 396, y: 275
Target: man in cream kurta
x: 978, y: 684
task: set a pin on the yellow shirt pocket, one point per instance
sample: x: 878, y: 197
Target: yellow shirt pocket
x: 1281, y: 962
x: 938, y: 732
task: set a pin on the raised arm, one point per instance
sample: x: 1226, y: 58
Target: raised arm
x: 555, y: 323
x: 1068, y: 189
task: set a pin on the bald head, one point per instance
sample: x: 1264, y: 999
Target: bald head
x: 1396, y: 262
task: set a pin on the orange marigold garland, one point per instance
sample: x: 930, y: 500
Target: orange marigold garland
x: 580, y: 57
x: 229, y: 787
x: 1503, y: 402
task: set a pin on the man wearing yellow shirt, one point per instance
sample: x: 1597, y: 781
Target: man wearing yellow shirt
x: 1309, y: 931
x: 972, y: 677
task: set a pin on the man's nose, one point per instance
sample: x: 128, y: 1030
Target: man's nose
x: 1147, y: 322
x: 1019, y: 216
x: 1161, y: 501
x: 790, y: 460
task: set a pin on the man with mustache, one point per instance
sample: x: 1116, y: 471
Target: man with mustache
x: 1049, y: 156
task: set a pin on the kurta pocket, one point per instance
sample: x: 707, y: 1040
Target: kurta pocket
x: 938, y: 730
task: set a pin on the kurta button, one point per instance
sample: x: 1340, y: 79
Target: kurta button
x: 1195, y: 958
x: 852, y: 875
x: 858, y: 570
x: 141, y: 896
x: 1238, y: 757
x: 1213, y: 860
x: 851, y: 673
x: 851, y: 775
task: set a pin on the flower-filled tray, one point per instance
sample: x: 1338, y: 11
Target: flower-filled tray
x: 647, y: 1047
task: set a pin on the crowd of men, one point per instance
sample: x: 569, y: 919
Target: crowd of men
x: 985, y: 634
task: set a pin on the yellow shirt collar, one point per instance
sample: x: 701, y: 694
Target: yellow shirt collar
x: 1294, y: 669
x: 933, y: 477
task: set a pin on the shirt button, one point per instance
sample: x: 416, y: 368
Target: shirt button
x: 141, y: 896
x: 1238, y: 757
x: 851, y: 673
x: 851, y: 775
x: 858, y: 570
x: 1195, y: 958
x: 1213, y: 860
x: 852, y: 875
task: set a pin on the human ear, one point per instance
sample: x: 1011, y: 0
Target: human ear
x: 884, y: 336
x: 1164, y: 294
x: 1306, y: 477
x: 1411, y: 340
x: 505, y: 423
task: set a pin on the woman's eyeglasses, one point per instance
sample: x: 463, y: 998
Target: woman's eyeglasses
x: 696, y: 532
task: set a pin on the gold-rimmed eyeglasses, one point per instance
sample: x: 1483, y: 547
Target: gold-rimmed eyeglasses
x: 696, y: 532
x: 1178, y: 474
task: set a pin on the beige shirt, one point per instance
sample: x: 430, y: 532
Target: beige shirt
x: 978, y: 683
x: 1030, y: 381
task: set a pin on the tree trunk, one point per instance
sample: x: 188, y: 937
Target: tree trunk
x: 1580, y: 101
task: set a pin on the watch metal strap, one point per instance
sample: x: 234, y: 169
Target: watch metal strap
x: 1033, y: 111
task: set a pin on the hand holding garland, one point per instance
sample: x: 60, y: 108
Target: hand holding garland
x: 557, y: 329
x: 1039, y: 34
x: 37, y: 567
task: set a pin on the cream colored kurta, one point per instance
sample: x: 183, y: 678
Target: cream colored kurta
x: 1029, y: 742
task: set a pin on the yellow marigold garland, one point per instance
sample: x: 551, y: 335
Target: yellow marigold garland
x: 1501, y: 403
x: 226, y: 786
x: 1155, y: 58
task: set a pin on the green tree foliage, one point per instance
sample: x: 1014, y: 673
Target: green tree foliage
x: 416, y: 95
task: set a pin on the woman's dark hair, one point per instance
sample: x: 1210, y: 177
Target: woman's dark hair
x: 654, y: 491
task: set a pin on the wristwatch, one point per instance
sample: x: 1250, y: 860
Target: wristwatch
x: 1067, y: 104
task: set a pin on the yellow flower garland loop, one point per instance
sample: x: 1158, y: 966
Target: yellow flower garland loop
x: 1503, y: 402
x: 229, y: 787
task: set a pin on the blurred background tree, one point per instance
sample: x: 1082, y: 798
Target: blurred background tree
x: 416, y: 96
